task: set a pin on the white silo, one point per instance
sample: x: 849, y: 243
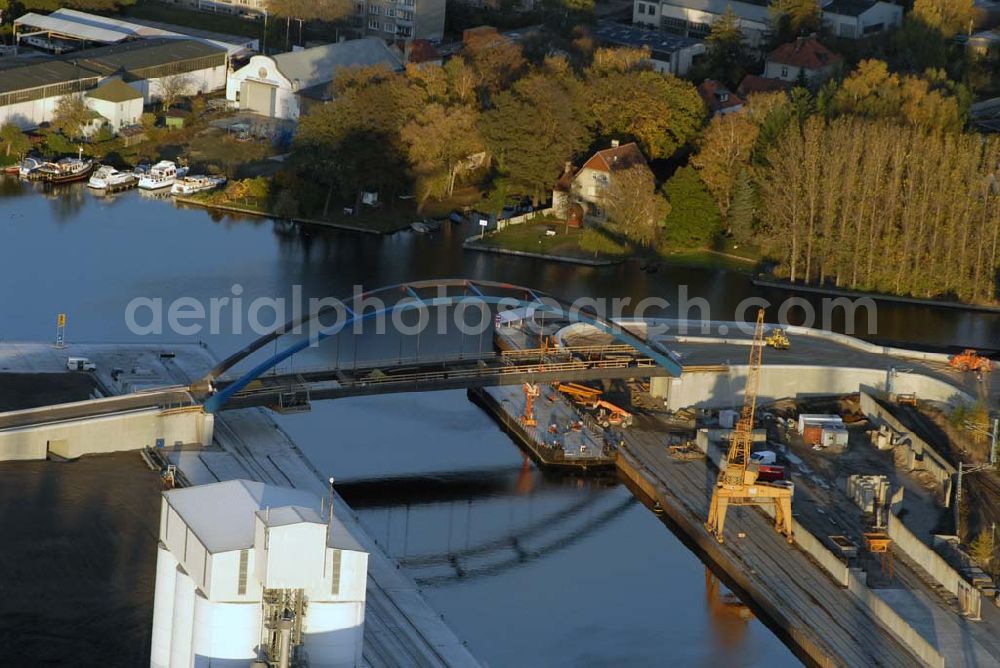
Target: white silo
x: 183, y: 620
x: 225, y: 630
x: 333, y: 633
x: 163, y: 608
x: 258, y: 572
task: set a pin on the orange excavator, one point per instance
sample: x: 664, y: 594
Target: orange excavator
x: 970, y: 360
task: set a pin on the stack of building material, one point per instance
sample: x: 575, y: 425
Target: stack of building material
x: 868, y: 491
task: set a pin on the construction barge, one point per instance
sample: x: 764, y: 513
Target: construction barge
x: 552, y: 444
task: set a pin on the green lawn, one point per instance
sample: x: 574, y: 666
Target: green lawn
x: 708, y: 259
x: 531, y: 237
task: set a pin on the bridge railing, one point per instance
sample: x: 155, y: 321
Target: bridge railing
x: 505, y: 357
x: 469, y: 373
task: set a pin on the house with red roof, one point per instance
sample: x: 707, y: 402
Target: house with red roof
x: 597, y: 174
x: 806, y: 57
x: 719, y: 99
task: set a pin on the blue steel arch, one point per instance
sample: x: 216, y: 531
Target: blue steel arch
x: 556, y: 307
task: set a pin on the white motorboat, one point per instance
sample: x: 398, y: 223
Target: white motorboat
x: 196, y: 184
x: 108, y: 177
x: 27, y: 166
x: 161, y: 175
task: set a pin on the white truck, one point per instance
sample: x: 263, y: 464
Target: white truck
x: 80, y: 364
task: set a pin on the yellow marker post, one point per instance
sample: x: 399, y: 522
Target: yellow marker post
x: 61, y: 330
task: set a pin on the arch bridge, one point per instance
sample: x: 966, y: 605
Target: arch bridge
x: 631, y: 355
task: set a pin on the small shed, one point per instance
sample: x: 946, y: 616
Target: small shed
x: 174, y: 119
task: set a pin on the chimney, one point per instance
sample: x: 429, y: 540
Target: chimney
x: 614, y: 143
x: 567, y: 167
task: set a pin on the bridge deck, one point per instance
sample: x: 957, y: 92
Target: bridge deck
x: 95, y: 408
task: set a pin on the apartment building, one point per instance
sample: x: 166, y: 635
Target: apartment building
x: 402, y: 20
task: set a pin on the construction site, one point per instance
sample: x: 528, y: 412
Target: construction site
x: 858, y: 525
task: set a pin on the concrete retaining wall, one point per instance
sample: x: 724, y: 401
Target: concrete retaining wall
x: 968, y: 596
x: 130, y: 430
x: 722, y: 388
x: 893, y: 621
x: 919, y: 453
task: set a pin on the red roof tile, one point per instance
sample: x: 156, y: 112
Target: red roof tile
x: 753, y: 83
x: 717, y: 97
x: 616, y: 158
x: 804, y: 52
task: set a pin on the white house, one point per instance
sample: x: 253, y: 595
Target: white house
x: 281, y: 86
x: 116, y: 101
x: 859, y: 18
x: 247, y: 571
x: 804, y: 57
x: 595, y: 177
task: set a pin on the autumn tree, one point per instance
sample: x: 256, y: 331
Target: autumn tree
x: 693, y: 221
x: 439, y: 139
x: 533, y: 129
x: 982, y: 548
x: 495, y: 59
x: 724, y: 151
x: 311, y: 10
x: 928, y: 101
x: 173, y: 88
x: 354, y: 141
x: 662, y: 112
x: 726, y: 56
x: 14, y: 141
x: 791, y: 18
x: 633, y: 206
x: 950, y: 17
x: 873, y: 205
x: 71, y: 115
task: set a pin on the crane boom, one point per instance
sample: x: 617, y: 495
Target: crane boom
x: 735, y: 472
x: 737, y: 483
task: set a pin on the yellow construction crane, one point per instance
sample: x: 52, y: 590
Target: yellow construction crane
x: 737, y: 484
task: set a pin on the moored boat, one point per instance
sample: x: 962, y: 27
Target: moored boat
x: 161, y: 175
x: 107, y: 176
x: 27, y: 166
x: 196, y: 184
x: 66, y: 170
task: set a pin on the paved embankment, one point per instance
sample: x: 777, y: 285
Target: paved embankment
x: 825, y: 622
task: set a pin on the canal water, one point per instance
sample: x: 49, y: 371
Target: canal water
x: 529, y: 570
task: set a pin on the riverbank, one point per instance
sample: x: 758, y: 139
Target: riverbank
x: 881, y: 296
x: 373, y: 226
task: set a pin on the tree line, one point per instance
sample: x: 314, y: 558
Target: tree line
x: 415, y: 131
